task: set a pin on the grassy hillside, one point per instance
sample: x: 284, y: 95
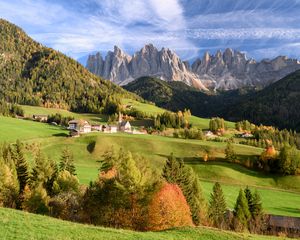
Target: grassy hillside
x: 177, y: 95
x: 13, y: 128
x: 153, y: 110
x: 90, y: 148
x: 93, y: 118
x: 21, y: 225
x: 100, y: 118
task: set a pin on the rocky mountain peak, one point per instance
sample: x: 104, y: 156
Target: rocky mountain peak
x: 226, y: 70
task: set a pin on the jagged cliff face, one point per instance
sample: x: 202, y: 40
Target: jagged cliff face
x: 232, y: 70
x: 223, y: 71
x: 122, y: 68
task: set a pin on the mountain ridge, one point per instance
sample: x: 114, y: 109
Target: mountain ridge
x: 226, y: 70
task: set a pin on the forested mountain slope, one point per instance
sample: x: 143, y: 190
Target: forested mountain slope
x: 36, y: 75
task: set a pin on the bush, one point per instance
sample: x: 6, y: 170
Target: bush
x: 168, y: 209
x: 66, y: 206
x: 66, y: 182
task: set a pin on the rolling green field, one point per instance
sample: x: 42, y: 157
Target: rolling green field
x: 99, y: 118
x: 93, y: 118
x: 21, y: 225
x: 89, y: 149
x: 153, y: 110
x: 13, y: 128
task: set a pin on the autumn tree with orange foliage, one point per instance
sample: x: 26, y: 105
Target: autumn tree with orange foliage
x: 268, y: 159
x: 168, y: 209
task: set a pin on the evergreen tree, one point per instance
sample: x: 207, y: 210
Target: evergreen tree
x: 177, y: 173
x: 217, y: 206
x: 229, y: 152
x: 172, y: 171
x: 249, y: 198
x: 67, y: 161
x: 110, y: 160
x: 42, y: 171
x: 21, y: 165
x: 9, y: 185
x: 241, y: 211
x: 129, y: 175
x: 257, y: 209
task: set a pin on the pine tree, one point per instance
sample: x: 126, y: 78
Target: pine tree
x: 129, y: 174
x: 217, y: 206
x: 9, y: 185
x: 67, y: 161
x: 21, y: 165
x: 229, y: 152
x: 42, y: 171
x: 190, y: 185
x: 257, y: 209
x: 249, y: 198
x: 110, y: 160
x: 241, y: 211
x: 176, y: 172
x: 172, y: 171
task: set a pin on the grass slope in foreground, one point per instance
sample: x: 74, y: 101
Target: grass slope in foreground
x: 21, y: 225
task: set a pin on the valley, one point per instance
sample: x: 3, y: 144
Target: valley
x: 146, y: 146
x: 88, y: 150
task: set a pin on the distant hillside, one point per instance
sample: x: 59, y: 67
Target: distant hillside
x: 36, y: 75
x: 178, y: 96
x: 278, y: 104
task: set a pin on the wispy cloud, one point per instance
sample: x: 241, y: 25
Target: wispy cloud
x: 78, y: 27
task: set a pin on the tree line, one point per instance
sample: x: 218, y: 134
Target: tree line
x: 127, y: 193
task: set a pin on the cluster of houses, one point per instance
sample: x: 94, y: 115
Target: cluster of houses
x: 78, y: 127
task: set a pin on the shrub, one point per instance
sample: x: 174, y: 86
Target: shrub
x: 168, y: 209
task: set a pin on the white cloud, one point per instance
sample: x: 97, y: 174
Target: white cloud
x: 244, y: 33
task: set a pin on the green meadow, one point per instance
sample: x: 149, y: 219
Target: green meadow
x: 277, y: 192
x: 23, y: 226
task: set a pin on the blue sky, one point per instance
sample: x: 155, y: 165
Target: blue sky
x: 261, y: 28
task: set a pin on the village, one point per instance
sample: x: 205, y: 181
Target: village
x: 80, y: 126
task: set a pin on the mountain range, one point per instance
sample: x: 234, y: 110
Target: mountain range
x: 226, y: 70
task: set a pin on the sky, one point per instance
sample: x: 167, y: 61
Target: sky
x: 260, y: 28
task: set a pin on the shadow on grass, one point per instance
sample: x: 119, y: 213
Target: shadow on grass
x: 91, y: 146
x: 60, y: 135
x: 197, y: 161
x: 288, y: 210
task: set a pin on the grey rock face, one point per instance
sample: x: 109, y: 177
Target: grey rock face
x: 122, y: 68
x: 224, y: 71
x: 232, y: 70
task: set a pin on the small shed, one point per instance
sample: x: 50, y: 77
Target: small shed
x: 82, y: 126
x: 125, y: 126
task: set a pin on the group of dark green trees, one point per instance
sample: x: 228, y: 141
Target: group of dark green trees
x: 246, y: 216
